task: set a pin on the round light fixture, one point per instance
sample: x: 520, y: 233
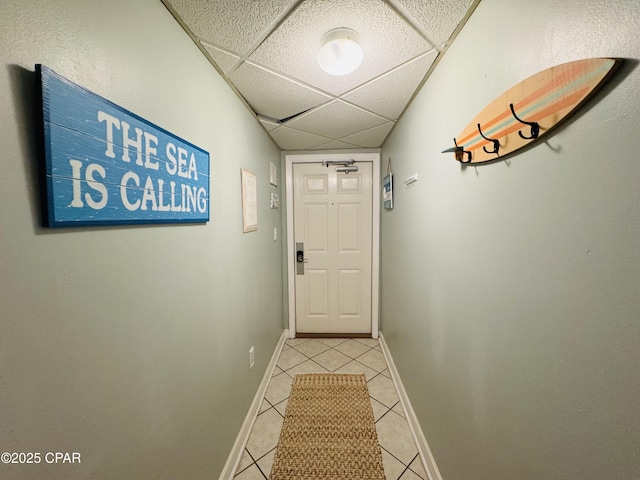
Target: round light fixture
x: 340, y: 53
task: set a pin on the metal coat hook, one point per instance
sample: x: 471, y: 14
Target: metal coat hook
x: 496, y: 143
x: 535, y: 126
x: 459, y: 153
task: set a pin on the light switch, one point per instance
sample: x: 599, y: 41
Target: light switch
x: 275, y: 233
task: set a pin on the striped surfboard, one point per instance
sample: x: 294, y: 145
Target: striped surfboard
x: 529, y: 110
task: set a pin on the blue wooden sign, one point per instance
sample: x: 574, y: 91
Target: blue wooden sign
x: 108, y: 166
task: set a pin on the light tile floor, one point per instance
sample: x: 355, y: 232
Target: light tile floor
x: 337, y: 355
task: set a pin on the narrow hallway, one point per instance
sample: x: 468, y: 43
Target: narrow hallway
x: 333, y: 355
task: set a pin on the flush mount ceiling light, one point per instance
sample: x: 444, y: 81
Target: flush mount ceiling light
x: 340, y: 52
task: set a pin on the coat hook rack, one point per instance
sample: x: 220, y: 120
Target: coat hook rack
x: 535, y: 126
x: 496, y: 143
x: 548, y: 97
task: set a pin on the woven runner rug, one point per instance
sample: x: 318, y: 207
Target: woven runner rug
x: 328, y: 431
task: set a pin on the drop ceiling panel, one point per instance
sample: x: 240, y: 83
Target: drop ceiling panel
x: 371, y: 138
x: 266, y: 50
x: 439, y: 18
x: 272, y: 95
x: 335, y: 120
x: 232, y: 24
x: 389, y: 94
x: 268, y: 124
x: 387, y: 40
x: 224, y: 60
x: 290, y: 139
x: 335, y: 145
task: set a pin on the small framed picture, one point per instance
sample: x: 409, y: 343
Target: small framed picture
x: 249, y: 201
x: 387, y: 191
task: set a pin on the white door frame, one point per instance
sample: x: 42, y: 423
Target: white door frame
x: 373, y: 157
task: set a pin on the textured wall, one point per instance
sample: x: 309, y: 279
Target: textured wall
x: 130, y: 344
x: 510, y: 291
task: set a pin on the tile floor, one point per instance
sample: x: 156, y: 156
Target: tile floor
x: 339, y: 355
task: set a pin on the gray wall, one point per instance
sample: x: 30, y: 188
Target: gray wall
x: 510, y: 292
x: 130, y: 345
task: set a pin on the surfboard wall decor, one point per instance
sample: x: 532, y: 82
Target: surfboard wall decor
x: 529, y: 110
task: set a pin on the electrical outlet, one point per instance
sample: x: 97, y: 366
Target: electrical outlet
x: 251, y: 357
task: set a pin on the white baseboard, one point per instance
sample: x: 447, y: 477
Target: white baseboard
x: 233, y: 459
x: 421, y: 442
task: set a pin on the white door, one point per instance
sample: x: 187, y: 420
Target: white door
x: 333, y: 227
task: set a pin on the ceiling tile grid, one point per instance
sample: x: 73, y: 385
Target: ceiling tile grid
x: 291, y: 139
x: 272, y: 95
x: 231, y: 24
x: 371, y: 138
x: 389, y: 94
x: 334, y: 145
x: 268, y: 124
x: 336, y: 120
x: 438, y: 18
x: 266, y: 50
x: 224, y: 60
x: 386, y: 40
